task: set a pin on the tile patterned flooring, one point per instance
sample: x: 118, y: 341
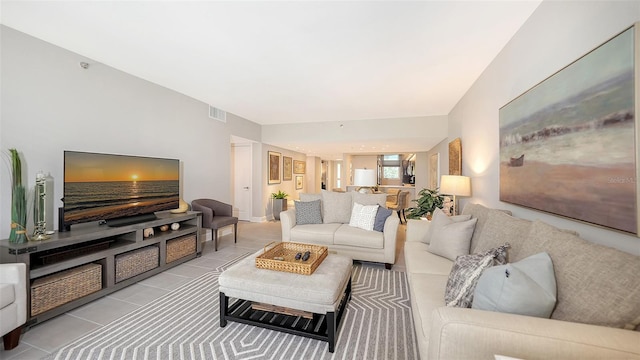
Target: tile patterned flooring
x: 48, y: 336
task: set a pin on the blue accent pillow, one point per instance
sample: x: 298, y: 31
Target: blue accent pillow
x: 381, y: 217
x: 308, y: 212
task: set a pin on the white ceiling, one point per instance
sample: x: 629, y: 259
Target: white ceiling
x: 282, y: 62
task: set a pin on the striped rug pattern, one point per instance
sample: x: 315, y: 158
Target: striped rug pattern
x: 184, y: 324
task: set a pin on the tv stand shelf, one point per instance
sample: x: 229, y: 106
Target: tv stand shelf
x: 109, y: 247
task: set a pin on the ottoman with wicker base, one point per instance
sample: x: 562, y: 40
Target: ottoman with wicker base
x: 305, y: 305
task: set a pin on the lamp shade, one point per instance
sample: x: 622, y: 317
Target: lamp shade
x: 365, y: 177
x: 455, y: 185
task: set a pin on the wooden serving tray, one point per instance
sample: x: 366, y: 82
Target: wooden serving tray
x: 288, y: 251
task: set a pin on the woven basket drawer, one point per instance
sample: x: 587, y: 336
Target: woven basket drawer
x: 60, y: 288
x: 181, y: 247
x: 136, y: 262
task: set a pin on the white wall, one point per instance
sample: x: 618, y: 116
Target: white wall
x: 50, y: 104
x: 556, y: 34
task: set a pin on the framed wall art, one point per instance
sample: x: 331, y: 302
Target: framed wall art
x: 299, y: 167
x: 286, y: 168
x: 274, y: 167
x: 455, y: 157
x: 434, y: 171
x: 568, y: 145
x: 299, y: 182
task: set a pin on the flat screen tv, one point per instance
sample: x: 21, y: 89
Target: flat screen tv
x: 118, y: 189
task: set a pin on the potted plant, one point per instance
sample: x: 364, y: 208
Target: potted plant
x: 428, y: 200
x: 279, y: 203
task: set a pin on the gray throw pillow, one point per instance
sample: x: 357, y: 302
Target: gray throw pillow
x: 381, y: 218
x: 526, y: 287
x: 450, y: 239
x: 308, y: 212
x: 465, y: 274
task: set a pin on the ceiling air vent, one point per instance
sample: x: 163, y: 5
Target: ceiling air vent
x: 217, y: 114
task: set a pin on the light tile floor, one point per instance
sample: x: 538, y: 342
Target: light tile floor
x: 50, y: 335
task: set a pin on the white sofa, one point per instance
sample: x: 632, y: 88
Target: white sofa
x: 596, y: 286
x: 335, y: 232
x: 13, y: 302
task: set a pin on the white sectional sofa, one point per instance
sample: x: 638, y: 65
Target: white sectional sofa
x: 334, y: 230
x: 598, y: 294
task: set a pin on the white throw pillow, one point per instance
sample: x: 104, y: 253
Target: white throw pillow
x: 456, y: 218
x: 363, y: 216
x: 526, y: 287
x: 450, y: 239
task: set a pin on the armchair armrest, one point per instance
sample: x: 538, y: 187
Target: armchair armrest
x: 287, y: 222
x: 390, y: 233
x: 16, y: 275
x: 207, y: 214
x: 458, y: 333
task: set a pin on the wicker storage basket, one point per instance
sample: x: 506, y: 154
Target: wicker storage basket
x: 60, y: 288
x: 136, y: 262
x: 181, y: 247
x: 288, y: 251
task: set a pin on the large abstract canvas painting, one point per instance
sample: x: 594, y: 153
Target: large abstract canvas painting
x: 567, y: 146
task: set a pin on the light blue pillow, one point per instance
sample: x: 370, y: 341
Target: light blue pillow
x: 308, y: 212
x: 527, y: 287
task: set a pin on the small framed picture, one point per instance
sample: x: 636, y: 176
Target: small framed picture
x: 286, y: 168
x: 299, y: 167
x: 299, y: 182
x: 274, y: 167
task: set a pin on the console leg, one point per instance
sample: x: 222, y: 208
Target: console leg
x: 224, y: 304
x: 12, y: 338
x: 388, y: 266
x: 235, y: 232
x: 331, y: 330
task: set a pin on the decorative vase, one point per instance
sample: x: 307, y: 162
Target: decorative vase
x: 279, y: 205
x: 18, y: 234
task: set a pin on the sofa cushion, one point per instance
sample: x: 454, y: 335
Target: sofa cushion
x: 450, y: 239
x: 314, y: 233
x: 369, y: 199
x: 426, y: 296
x: 596, y: 284
x: 363, y: 216
x: 336, y: 207
x: 381, y: 217
x: 308, y: 212
x: 418, y: 260
x: 481, y: 213
x: 352, y: 236
x: 465, y: 274
x: 500, y: 228
x: 526, y: 287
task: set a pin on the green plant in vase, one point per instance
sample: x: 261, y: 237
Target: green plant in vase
x: 279, y: 200
x: 428, y: 200
x: 18, y: 234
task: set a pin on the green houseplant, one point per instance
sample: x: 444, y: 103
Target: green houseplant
x: 279, y: 200
x: 18, y: 234
x: 428, y: 200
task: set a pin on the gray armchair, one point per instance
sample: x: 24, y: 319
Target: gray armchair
x: 216, y: 215
x: 13, y: 302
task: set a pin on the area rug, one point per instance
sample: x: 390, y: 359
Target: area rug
x: 185, y: 324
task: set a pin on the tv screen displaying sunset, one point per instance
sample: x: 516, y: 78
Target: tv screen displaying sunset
x: 106, y: 186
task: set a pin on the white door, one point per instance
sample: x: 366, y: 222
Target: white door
x: 242, y: 181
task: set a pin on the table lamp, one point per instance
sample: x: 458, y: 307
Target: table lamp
x: 455, y: 185
x: 365, y: 178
